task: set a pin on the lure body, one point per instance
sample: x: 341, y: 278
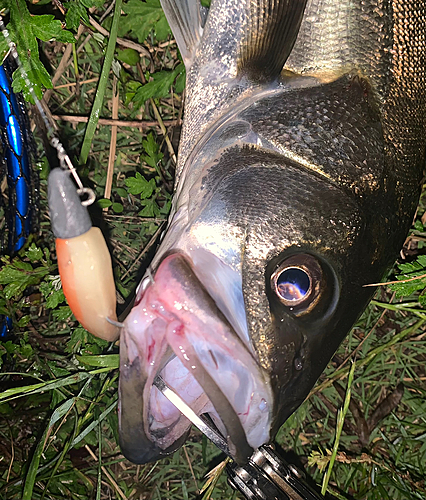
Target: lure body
x: 83, y: 259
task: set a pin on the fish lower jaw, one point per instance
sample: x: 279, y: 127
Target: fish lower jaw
x: 164, y: 416
x: 244, y: 409
x: 176, y: 330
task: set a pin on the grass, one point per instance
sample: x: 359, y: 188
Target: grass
x: 58, y: 421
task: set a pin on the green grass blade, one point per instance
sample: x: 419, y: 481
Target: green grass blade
x: 103, y: 80
x: 17, y: 392
x: 101, y: 361
x: 340, y: 420
x: 96, y: 422
x: 35, y: 462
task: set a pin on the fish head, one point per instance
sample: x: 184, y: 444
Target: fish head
x: 287, y: 203
x: 258, y: 280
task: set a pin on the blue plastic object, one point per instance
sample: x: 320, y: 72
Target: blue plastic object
x: 15, y: 157
x: 18, y: 166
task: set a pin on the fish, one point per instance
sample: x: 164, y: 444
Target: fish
x: 298, y: 175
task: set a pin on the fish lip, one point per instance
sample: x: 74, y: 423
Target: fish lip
x: 133, y: 440
x: 137, y: 441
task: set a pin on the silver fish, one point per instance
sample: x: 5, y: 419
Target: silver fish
x: 299, y: 168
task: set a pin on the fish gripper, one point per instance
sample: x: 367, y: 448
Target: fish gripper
x: 266, y: 476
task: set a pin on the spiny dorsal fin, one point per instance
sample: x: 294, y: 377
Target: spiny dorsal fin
x: 272, y: 28
x: 185, y: 21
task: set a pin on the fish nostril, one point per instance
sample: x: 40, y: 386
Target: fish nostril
x: 298, y: 364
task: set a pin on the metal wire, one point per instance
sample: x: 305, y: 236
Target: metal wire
x: 64, y: 159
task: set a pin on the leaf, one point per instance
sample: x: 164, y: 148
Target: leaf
x: 76, y: 11
x: 139, y: 185
x: 104, y: 203
x: 47, y: 28
x: 121, y: 192
x: 128, y: 56
x: 142, y: 17
x: 151, y: 208
x: 19, y: 275
x: 34, y: 253
x: 24, y: 30
x: 411, y: 270
x: 56, y: 298
x: 118, y: 208
x: 162, y: 29
x: 103, y: 361
x: 62, y: 313
x: 159, y: 86
x: 23, y: 322
x: 80, y: 338
x: 151, y: 147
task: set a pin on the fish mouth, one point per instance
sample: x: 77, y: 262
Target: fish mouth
x: 177, y: 331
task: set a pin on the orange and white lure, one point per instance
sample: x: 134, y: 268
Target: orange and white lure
x: 83, y: 259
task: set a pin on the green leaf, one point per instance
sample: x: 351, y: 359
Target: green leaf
x: 150, y: 209
x: 139, y: 185
x: 23, y: 322
x: 56, y: 298
x: 118, y: 208
x: 82, y: 339
x: 121, y: 192
x: 62, y: 313
x: 19, y: 275
x: 128, y: 56
x: 46, y: 27
x: 162, y: 29
x: 92, y: 3
x: 142, y: 17
x: 104, y: 203
x: 418, y: 226
x: 159, y: 86
x: 24, y: 29
x: 76, y: 11
x: 103, y: 361
x: 151, y: 147
x: 34, y: 253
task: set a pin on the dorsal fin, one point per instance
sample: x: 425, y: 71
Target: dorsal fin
x: 184, y: 19
x: 272, y: 28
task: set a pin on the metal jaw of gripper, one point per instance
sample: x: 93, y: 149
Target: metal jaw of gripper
x: 265, y: 476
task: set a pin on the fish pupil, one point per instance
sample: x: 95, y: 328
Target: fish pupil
x: 293, y: 284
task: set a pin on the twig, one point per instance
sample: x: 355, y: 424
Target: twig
x: 397, y: 281
x: 197, y: 490
x: 65, y: 61
x: 113, y: 143
x: 72, y: 84
x: 118, y: 123
x: 121, y: 41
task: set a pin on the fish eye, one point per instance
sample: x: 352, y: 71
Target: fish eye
x: 296, y: 282
x: 293, y: 285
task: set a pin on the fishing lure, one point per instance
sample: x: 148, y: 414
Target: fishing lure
x: 83, y: 259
